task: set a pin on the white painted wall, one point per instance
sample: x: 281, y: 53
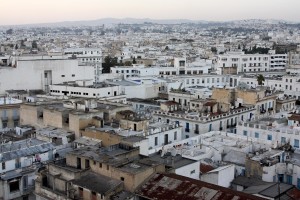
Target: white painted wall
x: 191, y: 170
x: 29, y: 74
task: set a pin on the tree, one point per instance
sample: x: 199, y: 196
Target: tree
x: 108, y: 63
x: 34, y: 44
x: 260, y: 79
x: 133, y: 60
x: 127, y: 63
x: 214, y: 49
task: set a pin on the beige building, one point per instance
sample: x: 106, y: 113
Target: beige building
x: 94, y: 173
x: 263, y: 99
x: 9, y: 114
x: 56, y: 115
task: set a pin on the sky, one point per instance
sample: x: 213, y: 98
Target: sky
x: 15, y: 12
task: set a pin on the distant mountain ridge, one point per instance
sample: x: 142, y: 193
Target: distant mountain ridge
x: 110, y: 21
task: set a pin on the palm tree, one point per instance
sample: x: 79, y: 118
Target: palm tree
x: 260, y: 79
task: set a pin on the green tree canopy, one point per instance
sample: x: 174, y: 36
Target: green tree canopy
x: 108, y: 63
x: 260, y: 79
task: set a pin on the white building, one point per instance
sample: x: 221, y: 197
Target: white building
x: 222, y: 176
x: 277, y: 131
x: 39, y: 72
x: 85, y: 88
x: 252, y: 62
x: 180, y: 68
x: 143, y: 88
x: 160, y: 134
x: 198, y: 123
x: 289, y: 84
x: 89, y: 57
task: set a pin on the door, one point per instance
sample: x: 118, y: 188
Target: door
x: 166, y: 139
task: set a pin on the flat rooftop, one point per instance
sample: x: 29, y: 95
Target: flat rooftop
x: 105, y: 155
x: 97, y: 183
x: 54, y: 132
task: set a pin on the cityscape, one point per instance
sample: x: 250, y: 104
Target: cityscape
x: 193, y: 103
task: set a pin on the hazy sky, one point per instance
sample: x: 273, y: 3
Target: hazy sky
x: 38, y: 11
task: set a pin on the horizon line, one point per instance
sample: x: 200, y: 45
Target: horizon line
x: 146, y: 18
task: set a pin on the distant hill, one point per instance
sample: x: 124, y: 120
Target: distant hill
x: 111, y: 21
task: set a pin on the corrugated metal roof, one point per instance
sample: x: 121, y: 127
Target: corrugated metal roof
x: 175, y: 187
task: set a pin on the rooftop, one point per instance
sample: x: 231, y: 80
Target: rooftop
x: 52, y: 132
x: 108, y: 155
x: 172, y: 186
x: 97, y: 183
x: 23, y: 148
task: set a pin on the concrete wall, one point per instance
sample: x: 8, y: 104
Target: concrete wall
x: 223, y: 95
x: 107, y: 139
x: 28, y: 115
x: 52, y: 118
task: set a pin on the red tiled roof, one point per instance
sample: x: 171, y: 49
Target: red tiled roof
x: 205, y: 168
x: 170, y: 103
x: 175, y: 187
x: 294, y: 193
x: 294, y: 117
x: 210, y: 103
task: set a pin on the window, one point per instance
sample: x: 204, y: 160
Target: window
x: 175, y: 135
x: 245, y: 133
x: 256, y: 135
x: 155, y: 141
x: 4, y: 124
x: 289, y: 179
x: 14, y: 186
x: 269, y: 137
x: 100, y: 165
x: 80, y: 189
x: 193, y: 172
x: 73, y: 75
x: 62, y: 75
x: 3, y: 166
x: 107, y: 167
x: 122, y: 178
x: 296, y: 143
x: 283, y: 140
x: 87, y: 163
x: 94, y: 196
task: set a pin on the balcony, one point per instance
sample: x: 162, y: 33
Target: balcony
x: 4, y: 119
x: 196, y: 131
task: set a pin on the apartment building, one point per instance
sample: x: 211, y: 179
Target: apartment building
x: 240, y: 62
x: 288, y: 83
x: 198, y: 123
